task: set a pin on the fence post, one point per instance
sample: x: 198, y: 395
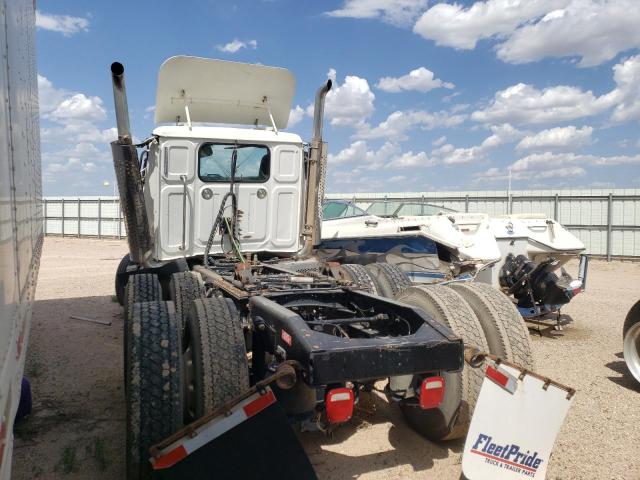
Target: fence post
x: 119, y: 219
x: 99, y: 217
x: 78, y: 217
x: 555, y: 207
x: 466, y: 204
x: 609, y: 225
x: 63, y: 217
x: 44, y: 207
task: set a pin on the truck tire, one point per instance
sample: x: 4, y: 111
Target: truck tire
x: 504, y: 328
x: 184, y: 287
x: 390, y: 278
x: 451, y: 419
x: 143, y: 287
x: 154, y: 391
x: 360, y: 276
x: 215, y: 357
x: 631, y: 345
x: 121, y: 282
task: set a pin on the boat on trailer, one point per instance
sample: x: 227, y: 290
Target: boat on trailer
x: 524, y: 255
x: 441, y: 246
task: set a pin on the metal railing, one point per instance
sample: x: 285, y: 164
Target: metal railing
x: 608, y: 222
x: 83, y: 217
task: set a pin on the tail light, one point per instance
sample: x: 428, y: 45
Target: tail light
x: 431, y: 392
x: 339, y: 405
x: 576, y: 287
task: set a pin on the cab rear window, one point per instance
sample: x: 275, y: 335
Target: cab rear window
x: 253, y: 163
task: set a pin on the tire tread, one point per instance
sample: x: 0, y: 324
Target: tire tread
x: 447, y: 307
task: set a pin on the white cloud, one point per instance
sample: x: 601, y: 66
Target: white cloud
x: 539, y: 162
x: 398, y: 123
x: 72, y: 164
x: 411, y: 160
x: 348, y: 104
x: 236, y: 45
x: 495, y: 175
x: 296, y: 116
x: 357, y: 161
x: 442, y: 151
x: 525, y: 104
x: 439, y: 141
x: 395, y: 12
x: 63, y: 106
x: 49, y: 97
x: 501, y: 134
x: 359, y: 156
x: 81, y: 107
x: 398, y: 179
x: 594, y: 30
x: 557, y: 138
x: 453, y: 25
x: 420, y: 79
x: 64, y: 24
x: 626, y: 95
x: 74, y: 143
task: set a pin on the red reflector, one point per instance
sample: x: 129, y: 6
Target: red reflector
x: 431, y: 392
x: 502, y: 379
x: 170, y: 459
x: 497, y: 376
x: 259, y: 404
x: 339, y: 404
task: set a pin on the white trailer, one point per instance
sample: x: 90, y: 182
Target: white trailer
x: 20, y: 205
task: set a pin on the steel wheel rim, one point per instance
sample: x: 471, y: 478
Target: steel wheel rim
x: 631, y: 350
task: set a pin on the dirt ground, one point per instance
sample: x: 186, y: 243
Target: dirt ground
x: 77, y: 428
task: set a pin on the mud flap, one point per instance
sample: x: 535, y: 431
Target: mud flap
x: 254, y: 440
x: 514, y: 426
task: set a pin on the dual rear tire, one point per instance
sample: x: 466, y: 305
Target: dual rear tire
x: 153, y: 382
x: 484, y: 318
x: 384, y: 279
x: 175, y: 372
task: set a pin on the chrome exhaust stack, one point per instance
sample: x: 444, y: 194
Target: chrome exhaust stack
x: 312, y: 228
x: 120, y: 103
x: 127, y: 168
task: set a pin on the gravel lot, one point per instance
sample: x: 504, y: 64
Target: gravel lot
x: 77, y: 428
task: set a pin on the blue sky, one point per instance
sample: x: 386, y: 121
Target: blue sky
x: 429, y: 95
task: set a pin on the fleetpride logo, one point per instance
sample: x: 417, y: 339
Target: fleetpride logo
x: 509, y: 456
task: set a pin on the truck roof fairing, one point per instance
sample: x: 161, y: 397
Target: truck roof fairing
x: 218, y: 91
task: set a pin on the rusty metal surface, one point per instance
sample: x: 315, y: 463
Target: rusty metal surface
x: 221, y: 283
x: 476, y: 358
x: 285, y: 377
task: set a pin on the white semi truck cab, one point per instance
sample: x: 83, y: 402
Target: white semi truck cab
x: 212, y: 116
x: 189, y: 167
x: 188, y: 175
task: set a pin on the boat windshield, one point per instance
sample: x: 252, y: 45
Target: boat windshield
x: 341, y: 209
x: 400, y: 209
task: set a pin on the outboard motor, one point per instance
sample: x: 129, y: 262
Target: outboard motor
x: 534, y: 284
